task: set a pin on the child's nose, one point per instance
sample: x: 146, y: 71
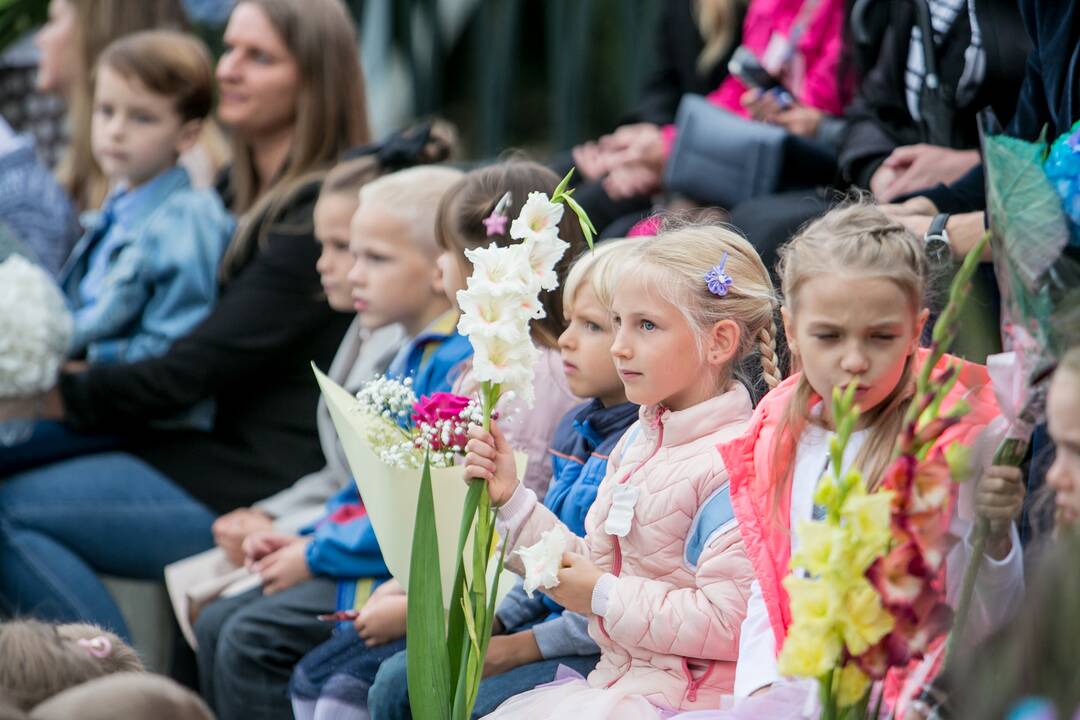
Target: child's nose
x: 1057, y: 477
x: 855, y: 361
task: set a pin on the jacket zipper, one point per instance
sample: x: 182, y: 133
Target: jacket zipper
x: 616, y: 562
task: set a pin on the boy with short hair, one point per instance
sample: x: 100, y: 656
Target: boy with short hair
x: 249, y: 644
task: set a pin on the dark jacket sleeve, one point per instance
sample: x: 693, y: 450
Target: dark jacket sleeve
x: 878, y: 120
x: 269, y: 310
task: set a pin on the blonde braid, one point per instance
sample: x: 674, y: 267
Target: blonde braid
x: 770, y: 369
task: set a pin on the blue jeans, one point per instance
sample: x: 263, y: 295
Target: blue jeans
x: 51, y: 441
x: 388, y: 698
x: 62, y: 524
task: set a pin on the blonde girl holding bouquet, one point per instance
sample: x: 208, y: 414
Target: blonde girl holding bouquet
x: 661, y: 574
x: 853, y: 285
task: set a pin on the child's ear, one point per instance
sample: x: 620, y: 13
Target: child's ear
x: 189, y: 135
x: 438, y: 283
x: 789, y: 330
x: 723, y: 343
x: 920, y: 325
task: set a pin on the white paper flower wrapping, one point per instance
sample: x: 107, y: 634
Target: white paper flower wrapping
x: 543, y: 560
x: 35, y: 328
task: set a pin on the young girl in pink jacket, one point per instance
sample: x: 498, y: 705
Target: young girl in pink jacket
x: 661, y: 573
x: 853, y: 284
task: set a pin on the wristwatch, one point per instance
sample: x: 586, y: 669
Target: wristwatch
x: 936, y: 240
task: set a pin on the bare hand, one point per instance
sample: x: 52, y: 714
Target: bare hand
x: 284, y: 568
x: 636, y: 144
x: 800, y: 120
x: 231, y: 529
x: 627, y: 181
x: 389, y: 588
x: 506, y: 652
x: 589, y: 161
x: 922, y: 166
x: 999, y: 497
x: 918, y: 205
x: 260, y: 544
x: 763, y: 106
x: 577, y: 579
x: 490, y: 458
x: 382, y: 619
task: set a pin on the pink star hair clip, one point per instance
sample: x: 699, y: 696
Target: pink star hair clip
x: 495, y: 223
x: 718, y: 281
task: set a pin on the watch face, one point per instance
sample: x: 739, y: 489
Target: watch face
x: 937, y: 249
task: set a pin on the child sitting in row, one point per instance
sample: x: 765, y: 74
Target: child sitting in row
x: 661, y: 572
x: 534, y: 636
x: 853, y: 286
x: 249, y: 644
x: 145, y: 271
x: 334, y: 680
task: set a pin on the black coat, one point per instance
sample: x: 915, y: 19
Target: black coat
x: 675, y: 73
x: 878, y: 118
x: 252, y: 356
x: 1049, y: 98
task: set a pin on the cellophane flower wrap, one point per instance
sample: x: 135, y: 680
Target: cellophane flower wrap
x: 501, y: 299
x: 866, y: 588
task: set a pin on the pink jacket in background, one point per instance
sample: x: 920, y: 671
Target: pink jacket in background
x: 670, y: 630
x: 819, y: 48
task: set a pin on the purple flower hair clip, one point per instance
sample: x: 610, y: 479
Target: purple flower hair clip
x: 495, y: 223
x: 718, y: 281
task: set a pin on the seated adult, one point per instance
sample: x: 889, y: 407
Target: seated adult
x: 694, y: 41
x: 900, y: 134
x: 799, y: 43
x: 291, y: 93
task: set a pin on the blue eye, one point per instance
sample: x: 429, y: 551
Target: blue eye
x: 593, y: 327
x: 648, y: 325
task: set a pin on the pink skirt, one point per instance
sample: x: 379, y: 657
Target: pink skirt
x: 571, y: 696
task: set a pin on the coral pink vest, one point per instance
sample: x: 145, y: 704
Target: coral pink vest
x: 749, y: 461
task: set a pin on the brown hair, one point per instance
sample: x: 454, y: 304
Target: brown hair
x: 98, y: 23
x: 459, y: 226
x: 169, y: 63
x: 121, y: 656
x: 718, y: 23
x: 853, y: 238
x: 330, y: 118
x: 39, y: 662
x: 675, y: 263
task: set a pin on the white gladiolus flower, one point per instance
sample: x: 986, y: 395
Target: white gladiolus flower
x: 538, y: 220
x: 35, y: 329
x: 544, y: 255
x: 502, y: 269
x: 500, y: 315
x: 543, y: 560
x: 506, y: 364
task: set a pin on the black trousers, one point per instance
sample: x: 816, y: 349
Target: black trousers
x: 249, y: 645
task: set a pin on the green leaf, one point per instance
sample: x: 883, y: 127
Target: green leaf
x: 561, y: 187
x: 427, y: 662
x: 587, y: 227
x: 455, y: 636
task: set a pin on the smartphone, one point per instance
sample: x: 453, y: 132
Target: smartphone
x: 746, y: 66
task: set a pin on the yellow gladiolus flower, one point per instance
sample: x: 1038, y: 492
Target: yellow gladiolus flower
x: 852, y: 686
x: 864, y: 621
x: 821, y: 547
x: 810, y: 650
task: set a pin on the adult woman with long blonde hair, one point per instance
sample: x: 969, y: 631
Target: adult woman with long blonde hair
x: 292, y: 97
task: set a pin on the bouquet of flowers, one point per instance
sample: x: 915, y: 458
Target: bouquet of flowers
x: 408, y: 431
x: 35, y: 328
x: 446, y: 654
x: 866, y: 593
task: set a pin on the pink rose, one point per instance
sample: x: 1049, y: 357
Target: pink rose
x: 439, y: 406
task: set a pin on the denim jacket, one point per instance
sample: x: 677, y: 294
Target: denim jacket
x: 161, y: 279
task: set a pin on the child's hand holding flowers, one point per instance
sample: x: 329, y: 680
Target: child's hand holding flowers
x: 577, y: 580
x: 491, y: 459
x: 999, y: 497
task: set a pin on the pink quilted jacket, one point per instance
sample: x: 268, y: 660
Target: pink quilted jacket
x: 671, y: 627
